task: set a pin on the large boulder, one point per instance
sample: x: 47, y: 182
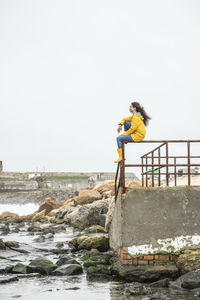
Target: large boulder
x: 100, y: 243
x: 42, y: 266
x: 41, y: 217
x: 105, y: 189
x: 88, y: 215
x: 190, y: 280
x: 8, y: 216
x: 69, y: 269
x: 87, y: 196
x: 145, y: 273
x: 48, y: 205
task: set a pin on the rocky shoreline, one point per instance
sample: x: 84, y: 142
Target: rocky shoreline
x: 72, y: 239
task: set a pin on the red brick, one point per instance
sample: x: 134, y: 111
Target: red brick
x: 141, y: 257
x: 149, y: 257
x: 123, y: 261
x: 129, y: 262
x: 164, y: 257
x: 156, y: 257
x: 143, y: 262
x: 151, y: 262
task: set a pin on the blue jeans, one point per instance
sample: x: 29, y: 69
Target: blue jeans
x: 123, y: 138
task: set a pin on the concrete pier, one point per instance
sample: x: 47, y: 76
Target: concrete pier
x: 152, y: 224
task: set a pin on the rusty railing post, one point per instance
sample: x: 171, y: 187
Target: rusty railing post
x: 167, y: 167
x: 159, y: 167
x: 188, y: 161
x: 142, y: 161
x: 123, y: 169
x: 146, y: 171
x: 152, y: 169
x: 175, y: 171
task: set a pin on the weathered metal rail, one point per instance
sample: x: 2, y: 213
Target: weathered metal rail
x: 154, y: 160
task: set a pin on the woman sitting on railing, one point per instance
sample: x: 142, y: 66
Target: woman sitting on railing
x: 134, y: 127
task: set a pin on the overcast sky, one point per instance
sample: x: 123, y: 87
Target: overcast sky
x: 70, y: 69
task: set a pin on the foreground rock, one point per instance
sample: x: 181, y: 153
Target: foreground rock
x: 145, y: 273
x: 88, y: 215
x: 42, y: 266
x: 87, y: 196
x: 68, y: 269
x: 100, y: 243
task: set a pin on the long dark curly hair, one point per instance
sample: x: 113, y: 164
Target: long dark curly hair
x: 140, y: 109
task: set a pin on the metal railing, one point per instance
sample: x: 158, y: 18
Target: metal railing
x: 155, y: 165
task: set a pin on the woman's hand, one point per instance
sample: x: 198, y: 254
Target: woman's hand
x: 119, y: 128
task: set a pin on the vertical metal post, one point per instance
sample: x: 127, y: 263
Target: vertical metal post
x: 146, y: 171
x: 167, y: 167
x: 175, y: 171
x: 142, y: 161
x: 159, y: 167
x: 188, y: 161
x: 152, y: 169
x: 123, y: 169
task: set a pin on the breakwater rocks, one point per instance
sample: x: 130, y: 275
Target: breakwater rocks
x: 72, y: 240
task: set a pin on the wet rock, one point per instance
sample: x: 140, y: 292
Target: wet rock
x: 137, y: 289
x: 70, y: 269
x: 189, y: 280
x: 87, y: 196
x: 12, y: 244
x: 144, y: 273
x: 95, y: 229
x: 97, y: 259
x: 19, y: 268
x: 5, y: 229
x: 34, y: 228
x: 189, y: 261
x: 39, y: 239
x: 8, y: 278
x: 66, y: 260
x: 42, y: 266
x: 100, y: 243
x: 49, y: 236
x: 60, y: 245
x: 88, y: 215
x: 2, y: 245
x: 99, y: 271
x: 163, y: 283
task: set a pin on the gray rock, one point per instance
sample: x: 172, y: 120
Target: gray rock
x: 7, y: 278
x: 12, y: 244
x: 137, y: 289
x: 2, y: 245
x: 163, y: 283
x: 42, y: 266
x: 19, y: 269
x: 189, y: 279
x: 88, y: 215
x: 71, y: 269
x: 131, y: 273
x: 66, y: 260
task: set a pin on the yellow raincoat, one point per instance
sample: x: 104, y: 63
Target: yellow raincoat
x: 137, y: 129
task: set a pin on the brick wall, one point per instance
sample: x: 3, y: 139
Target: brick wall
x: 127, y: 259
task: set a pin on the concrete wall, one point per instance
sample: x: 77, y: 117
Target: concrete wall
x: 156, y: 220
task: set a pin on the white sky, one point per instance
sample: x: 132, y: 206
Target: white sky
x: 69, y: 70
